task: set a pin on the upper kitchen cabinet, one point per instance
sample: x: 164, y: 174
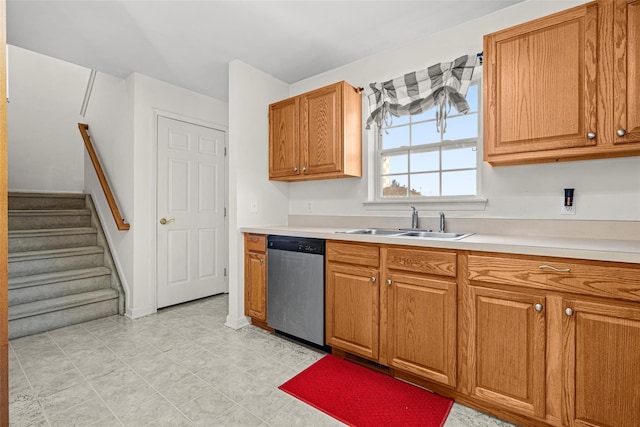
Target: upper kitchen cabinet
x: 626, y: 69
x: 316, y: 135
x: 283, y: 139
x: 557, y: 89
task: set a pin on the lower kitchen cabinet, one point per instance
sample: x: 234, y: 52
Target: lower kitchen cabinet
x: 601, y: 364
x: 554, y: 339
x: 420, y: 308
x: 255, y: 278
x: 353, y: 298
x: 402, y: 315
x: 421, y: 326
x: 507, y: 336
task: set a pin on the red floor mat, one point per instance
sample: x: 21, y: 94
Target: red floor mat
x: 360, y: 397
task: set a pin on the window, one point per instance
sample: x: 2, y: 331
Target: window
x: 416, y: 160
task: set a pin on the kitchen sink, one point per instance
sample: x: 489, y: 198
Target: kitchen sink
x: 425, y: 234
x: 373, y: 231
x: 435, y: 235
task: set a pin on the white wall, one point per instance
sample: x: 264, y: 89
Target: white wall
x: 605, y: 189
x: 152, y: 97
x: 250, y: 93
x: 44, y: 146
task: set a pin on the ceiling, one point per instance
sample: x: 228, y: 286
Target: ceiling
x: 190, y: 43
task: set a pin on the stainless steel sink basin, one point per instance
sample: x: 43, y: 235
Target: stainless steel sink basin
x: 373, y: 231
x: 435, y: 235
x: 425, y: 234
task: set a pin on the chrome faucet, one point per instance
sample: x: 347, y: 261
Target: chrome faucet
x: 414, y: 217
x: 442, y: 226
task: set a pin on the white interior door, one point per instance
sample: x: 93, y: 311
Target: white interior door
x: 190, y: 212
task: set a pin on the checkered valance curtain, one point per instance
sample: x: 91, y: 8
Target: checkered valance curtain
x: 442, y: 86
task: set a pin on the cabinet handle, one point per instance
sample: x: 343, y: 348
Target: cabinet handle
x: 591, y: 135
x: 373, y: 279
x: 568, y: 311
x: 295, y: 169
x: 388, y: 281
x: 538, y: 307
x: 551, y: 267
x: 621, y: 132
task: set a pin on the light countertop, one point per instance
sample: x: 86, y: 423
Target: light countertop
x: 579, y: 248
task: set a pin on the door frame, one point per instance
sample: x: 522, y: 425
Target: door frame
x: 157, y: 113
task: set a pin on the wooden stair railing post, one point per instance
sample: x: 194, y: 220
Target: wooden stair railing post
x: 120, y: 222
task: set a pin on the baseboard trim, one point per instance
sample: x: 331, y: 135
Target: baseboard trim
x: 237, y: 323
x: 137, y: 313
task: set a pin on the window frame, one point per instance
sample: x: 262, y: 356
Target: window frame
x: 379, y: 153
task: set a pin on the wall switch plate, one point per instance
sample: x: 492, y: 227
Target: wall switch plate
x: 567, y: 210
x: 254, y: 206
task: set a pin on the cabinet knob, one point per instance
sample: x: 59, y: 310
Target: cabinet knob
x: 568, y: 311
x: 621, y: 132
x: 388, y: 281
x: 591, y: 135
x: 304, y: 169
x: 295, y: 169
x: 538, y: 307
x: 261, y: 260
x: 373, y: 279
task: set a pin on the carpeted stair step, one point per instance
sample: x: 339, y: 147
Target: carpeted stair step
x: 40, y: 316
x: 23, y: 201
x: 37, y: 287
x: 43, y: 218
x: 54, y: 238
x: 53, y: 260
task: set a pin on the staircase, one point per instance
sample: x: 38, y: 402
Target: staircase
x: 60, y: 269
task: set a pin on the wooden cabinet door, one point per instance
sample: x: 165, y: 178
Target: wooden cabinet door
x: 626, y: 82
x: 321, y: 124
x: 352, y: 309
x: 255, y: 283
x: 507, y: 349
x: 602, y: 364
x: 284, y: 155
x: 540, y: 86
x: 421, y: 326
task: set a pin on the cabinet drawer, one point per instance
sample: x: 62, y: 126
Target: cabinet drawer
x: 421, y: 261
x: 351, y: 253
x: 585, y: 277
x: 255, y: 243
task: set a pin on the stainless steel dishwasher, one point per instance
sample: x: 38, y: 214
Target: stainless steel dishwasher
x: 295, y: 287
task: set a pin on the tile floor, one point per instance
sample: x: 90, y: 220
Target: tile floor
x: 180, y: 367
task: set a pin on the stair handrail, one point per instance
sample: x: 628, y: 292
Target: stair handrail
x: 120, y: 222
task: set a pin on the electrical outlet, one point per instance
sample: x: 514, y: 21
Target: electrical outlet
x: 567, y: 210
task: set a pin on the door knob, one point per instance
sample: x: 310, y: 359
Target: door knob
x: 165, y: 221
